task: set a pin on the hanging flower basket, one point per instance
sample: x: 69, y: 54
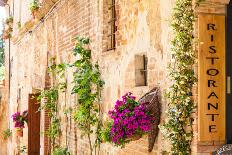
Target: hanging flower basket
x: 19, y: 132
x: 130, y: 120
x: 19, y: 120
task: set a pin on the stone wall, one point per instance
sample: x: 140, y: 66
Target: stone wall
x: 142, y: 29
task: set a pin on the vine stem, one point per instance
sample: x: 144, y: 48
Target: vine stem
x: 90, y: 144
x: 99, y: 122
x: 89, y: 138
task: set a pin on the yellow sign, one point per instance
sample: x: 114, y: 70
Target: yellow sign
x: 211, y: 76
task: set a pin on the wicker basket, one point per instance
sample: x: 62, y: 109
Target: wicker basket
x: 134, y: 138
x: 151, y: 100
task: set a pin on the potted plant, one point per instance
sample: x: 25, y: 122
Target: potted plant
x: 9, y: 20
x: 34, y: 7
x: 8, y: 29
x: 130, y: 121
x: 7, y: 33
x: 19, y: 120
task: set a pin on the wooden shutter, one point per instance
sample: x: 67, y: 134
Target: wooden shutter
x: 33, y: 126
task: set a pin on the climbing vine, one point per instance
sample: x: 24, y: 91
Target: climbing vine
x: 178, y: 126
x: 50, y: 96
x: 87, y: 85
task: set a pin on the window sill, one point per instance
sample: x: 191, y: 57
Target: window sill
x: 108, y: 51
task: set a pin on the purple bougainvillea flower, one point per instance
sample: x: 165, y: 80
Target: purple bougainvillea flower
x: 19, y: 119
x: 129, y: 119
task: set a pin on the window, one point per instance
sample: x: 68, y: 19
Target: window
x: 140, y: 70
x: 112, y: 27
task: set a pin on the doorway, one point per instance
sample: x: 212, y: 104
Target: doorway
x: 33, y: 126
x: 229, y: 74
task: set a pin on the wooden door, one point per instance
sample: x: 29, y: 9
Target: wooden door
x: 33, y: 126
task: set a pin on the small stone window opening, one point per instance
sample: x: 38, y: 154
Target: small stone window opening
x: 141, y: 70
x: 111, y: 36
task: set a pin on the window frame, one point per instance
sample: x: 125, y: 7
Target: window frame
x: 143, y: 69
x: 112, y: 23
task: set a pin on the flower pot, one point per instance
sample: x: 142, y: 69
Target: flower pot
x: 34, y: 13
x: 19, y: 132
x: 5, y: 36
